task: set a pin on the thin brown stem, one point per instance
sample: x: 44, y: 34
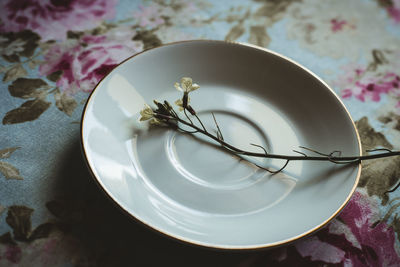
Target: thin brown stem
x: 187, y: 116
x: 202, y: 125
x: 218, y: 129
x: 393, y: 189
x: 303, y: 156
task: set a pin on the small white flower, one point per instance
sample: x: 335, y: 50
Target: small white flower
x: 179, y: 103
x: 186, y: 85
x: 155, y: 121
x: 146, y: 113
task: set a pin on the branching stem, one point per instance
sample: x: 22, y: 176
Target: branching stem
x: 165, y: 114
x: 303, y: 156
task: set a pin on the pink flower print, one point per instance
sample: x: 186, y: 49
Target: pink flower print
x: 337, y: 24
x: 149, y: 16
x: 376, y: 242
x: 347, y: 93
x: 13, y: 253
x: 320, y: 251
x: 52, y: 19
x: 83, y: 66
x: 394, y: 10
x: 373, y: 87
x: 359, y: 71
x: 354, y: 240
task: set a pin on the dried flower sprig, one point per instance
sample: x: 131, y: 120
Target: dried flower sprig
x: 164, y: 114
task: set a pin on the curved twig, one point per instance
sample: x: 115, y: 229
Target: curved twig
x: 218, y: 129
x: 378, y: 149
x: 301, y: 153
x: 393, y: 189
x: 321, y: 156
x: 202, y: 125
x: 184, y: 111
x: 265, y: 151
x: 166, y: 113
x: 273, y: 172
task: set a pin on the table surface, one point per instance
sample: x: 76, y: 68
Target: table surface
x: 52, y: 55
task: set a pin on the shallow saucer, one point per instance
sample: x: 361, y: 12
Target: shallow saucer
x: 185, y: 186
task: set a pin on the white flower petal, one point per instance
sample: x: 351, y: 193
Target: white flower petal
x: 144, y: 118
x: 179, y: 102
x: 146, y: 113
x: 178, y: 87
x: 155, y: 121
x: 195, y: 86
x: 186, y: 83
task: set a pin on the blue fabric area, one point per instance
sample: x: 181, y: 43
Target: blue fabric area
x: 49, y: 159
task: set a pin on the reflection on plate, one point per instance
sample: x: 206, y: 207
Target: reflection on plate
x: 186, y: 187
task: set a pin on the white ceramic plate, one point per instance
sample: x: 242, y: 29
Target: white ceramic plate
x: 189, y: 189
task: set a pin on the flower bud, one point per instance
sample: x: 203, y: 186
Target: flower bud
x: 191, y: 110
x: 185, y: 99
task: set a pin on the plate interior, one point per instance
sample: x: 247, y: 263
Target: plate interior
x: 187, y: 187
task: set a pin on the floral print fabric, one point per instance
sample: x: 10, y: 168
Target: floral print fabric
x: 53, y: 19
x: 53, y: 53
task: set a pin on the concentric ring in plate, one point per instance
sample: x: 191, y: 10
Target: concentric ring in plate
x: 185, y: 186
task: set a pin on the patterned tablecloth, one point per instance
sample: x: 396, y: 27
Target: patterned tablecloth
x: 54, y: 52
